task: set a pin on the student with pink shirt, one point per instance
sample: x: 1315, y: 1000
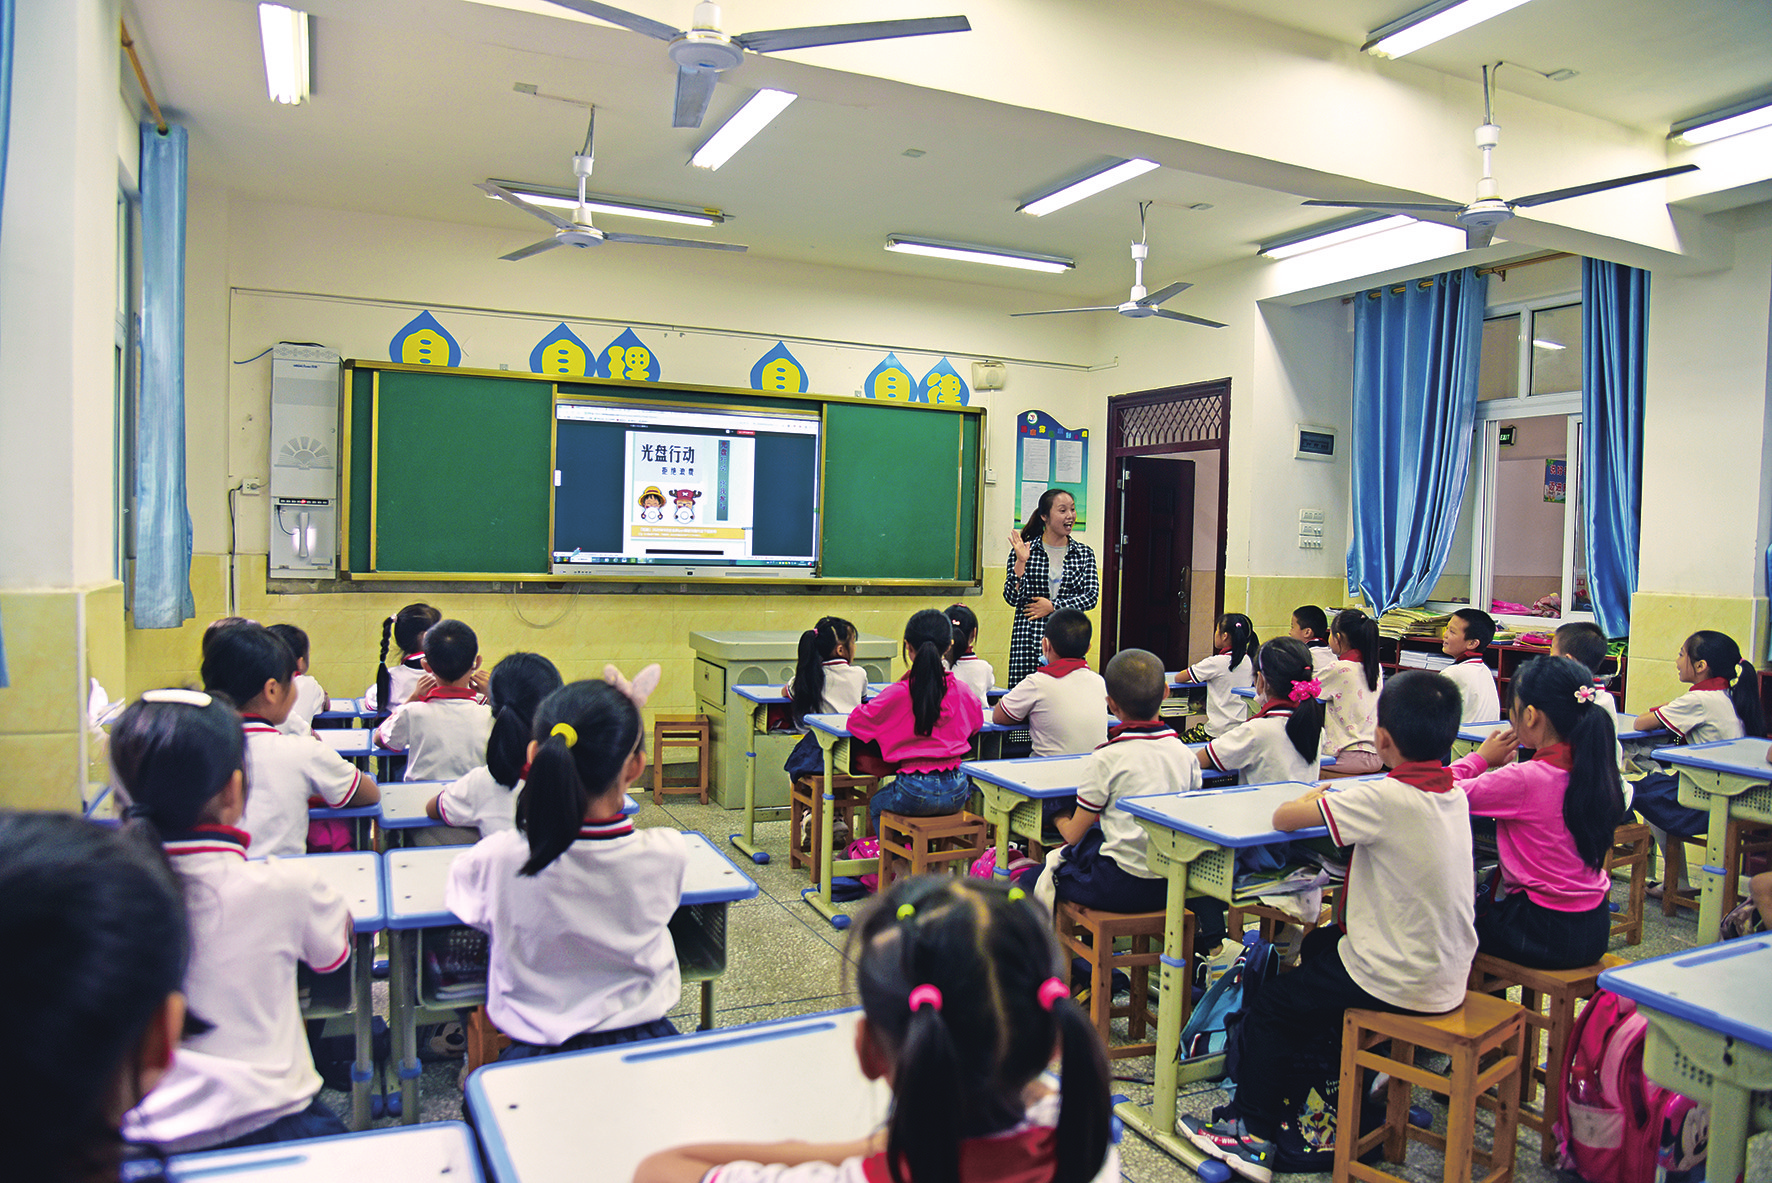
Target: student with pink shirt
x: 1555, y: 815
x: 924, y: 723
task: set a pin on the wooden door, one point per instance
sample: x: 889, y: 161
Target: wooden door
x: 1156, y: 557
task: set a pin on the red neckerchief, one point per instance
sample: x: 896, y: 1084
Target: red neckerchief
x: 1221, y: 652
x: 1353, y: 655
x: 440, y: 692
x: 606, y: 827
x: 1143, y: 729
x: 208, y: 839
x: 1058, y: 667
x: 1712, y: 684
x: 1020, y: 1156
x: 1557, y: 755
x: 1430, y: 776
x: 1477, y: 656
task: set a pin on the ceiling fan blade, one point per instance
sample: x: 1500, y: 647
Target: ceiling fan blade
x: 549, y: 216
x: 695, y: 88
x: 655, y: 240
x: 1601, y: 186
x: 772, y: 40
x: 622, y: 17
x: 1478, y: 237
x: 1161, y: 294
x: 1056, y: 311
x: 534, y: 248
x: 1193, y: 320
x: 1399, y: 207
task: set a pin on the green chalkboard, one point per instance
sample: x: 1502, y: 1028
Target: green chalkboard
x: 892, y: 495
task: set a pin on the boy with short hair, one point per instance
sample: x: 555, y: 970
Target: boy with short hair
x: 256, y: 670
x: 310, y: 696
x: 1467, y: 634
x: 443, y: 729
x: 1310, y: 624
x: 1062, y: 703
x: 1585, y: 643
x: 1103, y: 864
x: 1408, y: 933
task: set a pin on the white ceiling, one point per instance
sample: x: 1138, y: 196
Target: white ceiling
x: 414, y: 102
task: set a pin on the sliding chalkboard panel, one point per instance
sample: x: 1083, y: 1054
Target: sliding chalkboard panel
x: 891, y: 492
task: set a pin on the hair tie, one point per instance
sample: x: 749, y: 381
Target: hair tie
x: 925, y: 994
x: 906, y: 911
x: 1305, y: 688
x: 1051, y: 990
x: 189, y: 698
x: 1016, y: 893
x: 566, y: 731
x: 1585, y: 693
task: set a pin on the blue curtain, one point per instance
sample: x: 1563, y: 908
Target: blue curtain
x: 161, y: 595
x: 1614, y: 327
x: 6, y: 34
x: 1415, y: 398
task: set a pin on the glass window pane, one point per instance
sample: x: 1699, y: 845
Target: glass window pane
x: 1454, y: 585
x: 1577, y: 494
x: 1531, y: 482
x: 1498, y: 373
x: 1556, y: 350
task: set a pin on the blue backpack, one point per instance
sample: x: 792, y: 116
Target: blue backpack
x: 1208, y: 1030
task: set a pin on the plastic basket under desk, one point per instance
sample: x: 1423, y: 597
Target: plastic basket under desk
x: 325, y: 996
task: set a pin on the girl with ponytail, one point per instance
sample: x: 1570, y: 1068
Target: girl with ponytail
x: 924, y: 723
x: 1231, y: 667
x: 974, y: 672
x: 576, y: 900
x: 1280, y: 741
x: 825, y: 683
x: 406, y: 628
x: 1555, y: 815
x: 964, y: 999
x: 485, y: 800
x: 1350, y: 695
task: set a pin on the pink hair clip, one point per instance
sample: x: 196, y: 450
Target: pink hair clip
x: 925, y: 994
x: 1051, y: 990
x: 1586, y: 694
x: 1308, y: 688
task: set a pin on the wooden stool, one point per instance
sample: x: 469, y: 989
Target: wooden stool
x: 1743, y: 838
x: 1632, y: 846
x: 485, y: 1041
x: 1548, y: 997
x: 680, y: 732
x: 806, y: 814
x: 929, y: 843
x: 1091, y: 934
x: 1484, y: 1028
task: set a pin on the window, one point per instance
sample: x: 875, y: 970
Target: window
x: 124, y: 377
x: 1518, y: 550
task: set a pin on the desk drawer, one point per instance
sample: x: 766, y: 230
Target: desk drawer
x: 710, y: 682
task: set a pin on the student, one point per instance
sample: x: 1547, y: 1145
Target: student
x: 825, y: 683
x: 1554, y: 813
x: 1350, y: 688
x: 1281, y: 742
x: 93, y: 924
x: 1310, y: 624
x: 1063, y: 703
x: 1231, y: 665
x: 443, y: 729
x: 1103, y: 864
x: 310, y: 696
x: 218, y: 624
x: 924, y: 723
x: 964, y: 1007
x: 974, y: 672
x: 256, y: 670
x: 486, y: 798
x: 576, y: 900
x: 1407, y: 937
x: 394, y: 686
x: 1467, y: 634
x: 248, y: 1077
x: 1585, y: 643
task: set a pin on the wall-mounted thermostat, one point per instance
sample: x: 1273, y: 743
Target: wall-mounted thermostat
x: 1315, y: 443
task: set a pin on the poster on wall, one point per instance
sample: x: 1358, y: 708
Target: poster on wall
x: 942, y: 386
x: 627, y: 358
x: 1554, y: 479
x: 1049, y: 455
x: 890, y: 381
x: 424, y: 342
x: 561, y: 353
x: 779, y: 370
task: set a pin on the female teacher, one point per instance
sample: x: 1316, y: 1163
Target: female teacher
x: 1057, y: 573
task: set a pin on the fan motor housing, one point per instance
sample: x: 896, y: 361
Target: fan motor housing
x: 1488, y: 212
x: 705, y: 49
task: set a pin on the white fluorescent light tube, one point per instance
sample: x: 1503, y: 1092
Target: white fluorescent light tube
x: 1433, y: 23
x: 284, y: 32
x: 1316, y: 242
x: 964, y: 253
x: 1089, y: 186
x: 736, y: 132
x: 619, y: 209
x: 1541, y: 344
x: 1731, y: 121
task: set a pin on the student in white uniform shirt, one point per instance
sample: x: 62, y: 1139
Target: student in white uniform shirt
x: 1231, y: 666
x: 310, y: 696
x: 1467, y: 634
x: 1584, y: 642
x: 1280, y: 742
x: 1063, y: 703
x: 1310, y: 624
x: 825, y: 682
x: 443, y: 727
x: 577, y: 901
x: 244, y: 1077
x: 971, y: 670
x: 1350, y: 695
x: 256, y: 671
x: 395, y: 684
x: 485, y: 800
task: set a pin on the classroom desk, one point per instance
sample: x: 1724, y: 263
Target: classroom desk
x: 1471, y: 735
x: 768, y: 704
x: 358, y: 744
x: 990, y: 696
x: 833, y: 736
x: 439, y: 1150
x: 358, y: 877
x: 413, y: 882
x: 402, y: 808
x: 1193, y: 840
x: 1710, y: 1036
x: 1727, y: 779
x: 347, y: 712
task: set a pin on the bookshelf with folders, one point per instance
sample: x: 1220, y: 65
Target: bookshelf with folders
x: 1410, y: 639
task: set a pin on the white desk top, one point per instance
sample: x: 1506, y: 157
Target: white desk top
x: 356, y: 875
x: 1034, y: 776
x: 414, y: 881
x: 1722, y: 988
x: 353, y: 741
x: 695, y: 1088
x: 765, y: 695
x: 1742, y: 757
x: 1242, y: 816
x: 403, y: 804
x: 437, y: 1150
x: 1478, y: 732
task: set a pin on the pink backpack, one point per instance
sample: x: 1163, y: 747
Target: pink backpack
x: 1618, y: 1126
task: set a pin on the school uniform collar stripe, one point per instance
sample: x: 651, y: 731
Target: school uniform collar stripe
x: 606, y: 827
x: 1712, y: 684
x: 836, y: 661
x: 257, y: 725
x: 208, y: 840
x: 1277, y: 707
x: 1146, y: 730
x: 415, y: 662
x: 1477, y: 656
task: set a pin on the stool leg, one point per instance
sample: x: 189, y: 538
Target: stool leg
x: 1136, y: 1022
x: 1507, y: 1117
x: 1673, y: 871
x: 1533, y: 1002
x: 1347, y: 1109
x: 1639, y: 883
x: 1556, y: 1047
x: 1101, y: 986
x: 1396, y: 1106
x: 1461, y: 1112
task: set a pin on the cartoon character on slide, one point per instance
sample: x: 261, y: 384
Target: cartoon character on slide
x: 685, y: 499
x: 652, y: 505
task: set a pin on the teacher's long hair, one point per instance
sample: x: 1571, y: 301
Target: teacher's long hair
x: 1036, y: 523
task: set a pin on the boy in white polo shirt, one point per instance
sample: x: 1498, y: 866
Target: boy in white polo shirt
x: 1467, y: 634
x: 1064, y: 702
x: 443, y: 728
x: 1406, y: 936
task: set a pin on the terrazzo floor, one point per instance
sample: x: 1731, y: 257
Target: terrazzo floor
x: 784, y: 959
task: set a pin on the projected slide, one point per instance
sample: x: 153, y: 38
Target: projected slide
x: 691, y: 489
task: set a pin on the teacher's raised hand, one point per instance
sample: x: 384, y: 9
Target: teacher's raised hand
x: 1022, y: 548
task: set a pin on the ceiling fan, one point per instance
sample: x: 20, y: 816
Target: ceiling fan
x: 1481, y: 217
x: 578, y: 230
x: 1139, y: 304
x: 702, y: 52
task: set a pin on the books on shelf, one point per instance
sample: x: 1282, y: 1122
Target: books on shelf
x: 1419, y: 659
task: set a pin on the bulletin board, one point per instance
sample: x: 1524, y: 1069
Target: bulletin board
x: 1049, y: 455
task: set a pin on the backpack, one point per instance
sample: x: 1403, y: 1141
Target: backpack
x: 1208, y: 1029
x: 1616, y: 1125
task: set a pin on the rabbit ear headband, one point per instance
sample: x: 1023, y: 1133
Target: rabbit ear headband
x: 641, y: 688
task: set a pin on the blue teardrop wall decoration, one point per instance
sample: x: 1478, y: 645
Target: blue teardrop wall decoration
x: 891, y: 381
x: 561, y: 352
x: 779, y: 370
x: 942, y: 386
x: 424, y: 342
x: 629, y: 359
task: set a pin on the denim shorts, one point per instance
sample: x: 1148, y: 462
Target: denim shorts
x: 922, y: 794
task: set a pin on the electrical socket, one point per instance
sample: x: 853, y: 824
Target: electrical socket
x: 252, y: 486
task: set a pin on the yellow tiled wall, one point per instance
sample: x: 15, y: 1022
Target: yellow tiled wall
x: 1270, y: 599
x: 55, y: 638
x: 1661, y: 621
